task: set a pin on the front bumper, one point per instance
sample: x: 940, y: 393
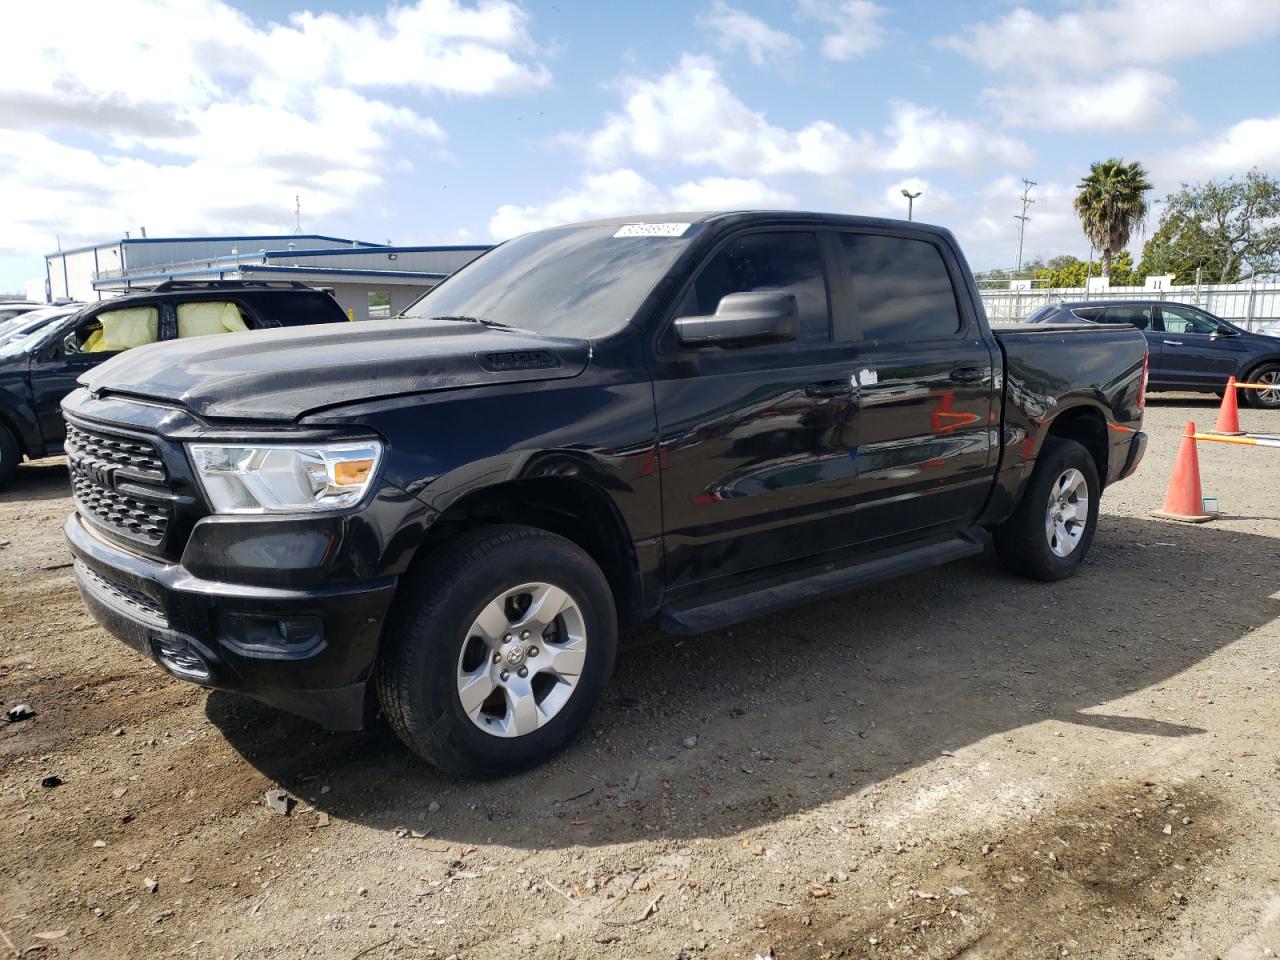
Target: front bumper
x: 309, y: 651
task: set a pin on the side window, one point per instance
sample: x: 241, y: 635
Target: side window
x: 901, y: 287
x: 1136, y: 316
x: 114, y: 330
x: 206, y: 317
x: 789, y: 262
x: 1184, y: 320
x: 1092, y: 314
x: 290, y: 309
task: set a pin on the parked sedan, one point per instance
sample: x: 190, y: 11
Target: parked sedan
x: 1190, y: 349
x: 32, y: 322
x: 12, y: 308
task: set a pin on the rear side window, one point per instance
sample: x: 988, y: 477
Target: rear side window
x: 207, y: 317
x: 1136, y: 316
x: 787, y: 262
x: 901, y: 287
x: 1092, y: 314
x: 288, y: 309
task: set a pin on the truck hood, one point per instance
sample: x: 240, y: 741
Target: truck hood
x: 283, y: 374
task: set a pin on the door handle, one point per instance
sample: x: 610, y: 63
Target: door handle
x: 1174, y: 343
x: 970, y: 374
x: 827, y: 388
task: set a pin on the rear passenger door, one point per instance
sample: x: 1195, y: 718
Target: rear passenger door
x: 1142, y: 316
x: 925, y: 371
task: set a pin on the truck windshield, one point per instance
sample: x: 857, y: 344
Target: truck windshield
x: 582, y: 282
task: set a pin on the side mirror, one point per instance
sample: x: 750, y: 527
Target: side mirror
x: 743, y: 319
x: 1222, y: 332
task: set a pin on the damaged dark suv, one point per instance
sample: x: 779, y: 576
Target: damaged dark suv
x: 694, y: 419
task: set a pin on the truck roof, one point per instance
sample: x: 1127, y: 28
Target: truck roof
x: 779, y: 216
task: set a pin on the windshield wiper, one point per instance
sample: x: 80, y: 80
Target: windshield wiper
x: 462, y: 318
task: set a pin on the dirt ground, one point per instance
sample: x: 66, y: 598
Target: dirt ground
x: 956, y: 764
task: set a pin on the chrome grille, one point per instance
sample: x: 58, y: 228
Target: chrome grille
x: 111, y: 476
x: 138, y: 457
x: 120, y: 512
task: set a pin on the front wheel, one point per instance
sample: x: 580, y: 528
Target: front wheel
x: 498, y: 651
x: 10, y: 455
x: 1050, y: 532
x: 1268, y: 399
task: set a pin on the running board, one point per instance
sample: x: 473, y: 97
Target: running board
x: 724, y: 610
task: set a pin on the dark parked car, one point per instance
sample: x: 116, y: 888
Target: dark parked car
x: 37, y: 371
x: 696, y: 418
x: 1190, y: 349
x: 13, y: 308
x: 33, y: 321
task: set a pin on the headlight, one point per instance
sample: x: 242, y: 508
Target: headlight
x: 270, y: 478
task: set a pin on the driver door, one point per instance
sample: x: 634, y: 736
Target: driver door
x: 756, y: 443
x: 89, y: 341
x: 1195, y: 354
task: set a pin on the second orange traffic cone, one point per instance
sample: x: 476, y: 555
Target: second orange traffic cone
x: 1229, y: 412
x: 1183, y: 499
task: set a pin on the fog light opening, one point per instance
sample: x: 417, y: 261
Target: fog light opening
x: 180, y: 659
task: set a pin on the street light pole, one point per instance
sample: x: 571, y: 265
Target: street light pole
x: 911, y: 198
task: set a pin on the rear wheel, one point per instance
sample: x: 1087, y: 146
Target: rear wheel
x: 498, y: 651
x: 10, y: 455
x: 1052, y: 528
x: 1265, y: 399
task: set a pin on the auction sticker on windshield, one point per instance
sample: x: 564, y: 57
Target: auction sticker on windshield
x: 652, y: 229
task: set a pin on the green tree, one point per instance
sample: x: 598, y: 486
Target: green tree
x: 1225, y: 228
x: 1111, y: 202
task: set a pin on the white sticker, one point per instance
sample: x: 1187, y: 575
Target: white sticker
x: 868, y: 377
x: 652, y: 229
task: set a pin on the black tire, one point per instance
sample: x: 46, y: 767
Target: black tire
x: 10, y: 455
x: 1264, y: 399
x: 1021, y: 541
x: 439, y: 600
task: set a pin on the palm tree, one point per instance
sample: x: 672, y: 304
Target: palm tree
x: 1111, y: 202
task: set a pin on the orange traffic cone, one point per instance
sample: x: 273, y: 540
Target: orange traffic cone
x: 1229, y: 412
x: 1183, y: 500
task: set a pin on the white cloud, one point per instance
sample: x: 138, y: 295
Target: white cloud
x: 1254, y: 142
x: 624, y: 191
x: 1129, y: 32
x: 736, y: 28
x: 689, y: 115
x: 192, y: 117
x: 1129, y: 100
x: 855, y: 26
x: 1054, y: 62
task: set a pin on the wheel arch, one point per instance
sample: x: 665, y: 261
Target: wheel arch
x: 1255, y: 365
x: 568, y: 506
x: 1086, y: 425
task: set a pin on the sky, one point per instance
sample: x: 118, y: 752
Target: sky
x: 470, y: 121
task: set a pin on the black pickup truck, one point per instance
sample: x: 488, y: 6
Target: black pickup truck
x: 689, y: 418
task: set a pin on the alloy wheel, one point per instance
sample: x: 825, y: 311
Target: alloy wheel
x: 1067, y: 513
x: 522, y: 659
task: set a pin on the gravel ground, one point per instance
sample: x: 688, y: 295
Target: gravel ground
x: 956, y: 764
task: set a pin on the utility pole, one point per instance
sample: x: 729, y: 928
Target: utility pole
x: 1022, y: 218
x: 297, y: 215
